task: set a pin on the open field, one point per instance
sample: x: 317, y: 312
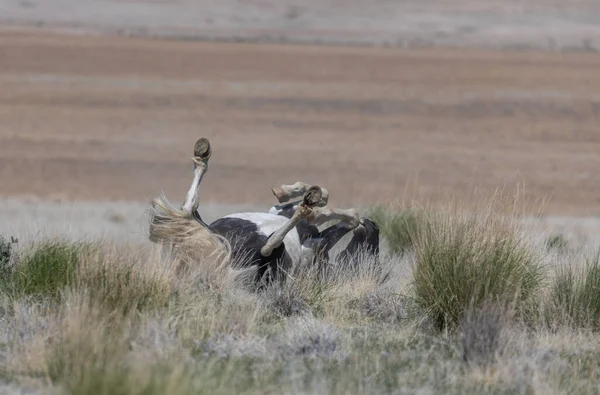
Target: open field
x: 541, y: 24
x: 116, y: 317
x: 98, y: 118
x: 381, y: 103
x: 127, y: 222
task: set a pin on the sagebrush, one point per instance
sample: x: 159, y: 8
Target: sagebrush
x: 108, y: 319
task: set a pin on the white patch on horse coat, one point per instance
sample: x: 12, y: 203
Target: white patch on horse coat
x: 307, y: 253
x: 275, y: 211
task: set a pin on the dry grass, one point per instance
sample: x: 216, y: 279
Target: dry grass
x: 127, y: 320
x: 467, y: 259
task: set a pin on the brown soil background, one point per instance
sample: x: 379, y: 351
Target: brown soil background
x: 101, y: 117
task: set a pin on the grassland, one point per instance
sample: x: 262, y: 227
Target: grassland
x: 470, y: 302
x: 470, y: 298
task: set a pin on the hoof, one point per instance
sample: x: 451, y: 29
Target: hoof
x: 202, y: 149
x: 281, y: 196
x: 313, y: 196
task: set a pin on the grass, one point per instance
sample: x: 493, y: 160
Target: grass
x: 120, y: 280
x: 482, y: 333
x: 463, y: 261
x: 44, y: 270
x: 558, y: 243
x: 106, y: 319
x: 576, y: 293
x: 399, y: 227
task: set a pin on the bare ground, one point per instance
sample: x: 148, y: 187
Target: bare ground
x: 102, y: 118
x: 541, y: 24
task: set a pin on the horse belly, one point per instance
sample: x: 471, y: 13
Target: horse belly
x: 267, y: 224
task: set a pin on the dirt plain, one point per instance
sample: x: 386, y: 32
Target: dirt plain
x: 103, y: 117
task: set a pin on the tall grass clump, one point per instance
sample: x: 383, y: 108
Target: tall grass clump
x: 91, y: 354
x: 347, y: 292
x: 122, y: 280
x: 399, y: 227
x: 465, y: 259
x: 305, y: 291
x: 575, y: 294
x: 85, y: 355
x: 44, y: 270
x: 118, y: 279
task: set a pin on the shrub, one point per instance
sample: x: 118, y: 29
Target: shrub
x: 399, y: 227
x: 380, y: 306
x: 302, y: 294
x: 286, y: 300
x: 482, y: 333
x: 575, y: 294
x: 308, y: 337
x: 464, y: 261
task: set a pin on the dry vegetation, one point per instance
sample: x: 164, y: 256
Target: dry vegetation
x: 483, y: 310
x: 464, y: 299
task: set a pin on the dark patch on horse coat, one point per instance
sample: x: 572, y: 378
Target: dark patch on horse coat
x: 368, y: 240
x: 246, y: 241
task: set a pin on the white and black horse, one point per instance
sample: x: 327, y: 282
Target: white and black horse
x: 365, y: 238
x: 275, y: 241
